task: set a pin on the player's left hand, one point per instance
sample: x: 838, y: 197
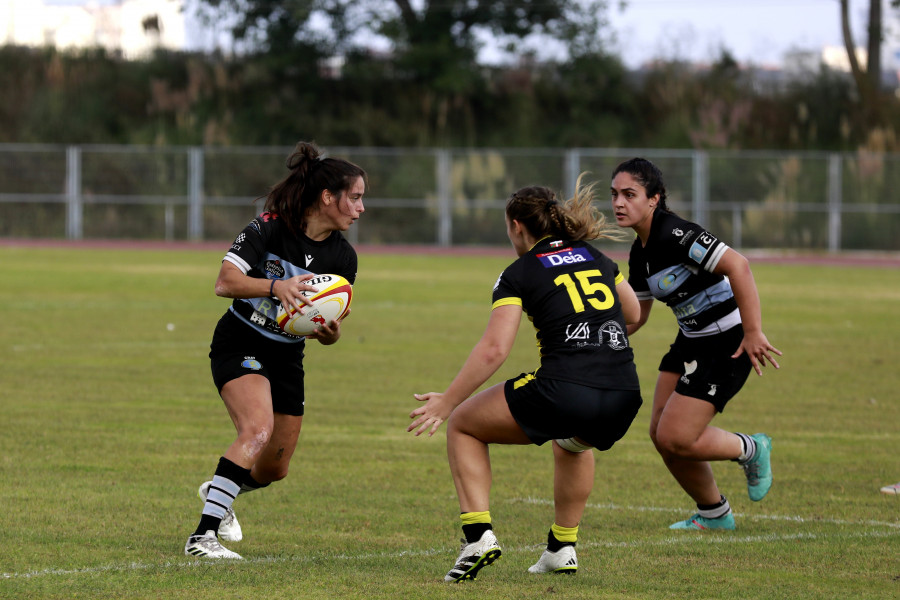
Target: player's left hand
x: 430, y: 416
x: 759, y: 350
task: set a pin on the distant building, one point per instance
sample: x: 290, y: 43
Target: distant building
x: 809, y: 62
x: 133, y: 27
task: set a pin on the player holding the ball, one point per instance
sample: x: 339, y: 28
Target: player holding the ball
x: 256, y: 365
x: 585, y: 393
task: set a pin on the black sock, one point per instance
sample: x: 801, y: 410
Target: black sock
x: 249, y: 484
x: 208, y: 523
x: 474, y: 531
x: 554, y: 545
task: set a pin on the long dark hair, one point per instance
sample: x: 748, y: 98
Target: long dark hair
x: 648, y: 175
x: 576, y: 219
x: 296, y: 195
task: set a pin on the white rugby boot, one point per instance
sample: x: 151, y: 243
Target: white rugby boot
x: 207, y: 545
x: 474, y: 556
x: 563, y: 561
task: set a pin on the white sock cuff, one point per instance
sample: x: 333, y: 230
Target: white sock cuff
x: 748, y: 445
x: 714, y: 513
x: 573, y: 445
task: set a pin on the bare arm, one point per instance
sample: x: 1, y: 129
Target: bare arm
x: 631, y: 308
x: 645, y: 306
x: 234, y: 283
x: 736, y: 267
x: 486, y: 357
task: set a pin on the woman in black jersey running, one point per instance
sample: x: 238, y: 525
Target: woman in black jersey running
x: 257, y: 367
x: 585, y: 393
x: 711, y: 290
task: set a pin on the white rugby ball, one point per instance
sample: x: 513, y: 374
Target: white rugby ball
x: 329, y: 303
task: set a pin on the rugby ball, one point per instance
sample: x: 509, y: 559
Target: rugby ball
x: 329, y: 303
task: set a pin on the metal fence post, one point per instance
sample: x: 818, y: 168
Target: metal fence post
x: 445, y: 205
x: 572, y: 170
x: 700, y: 201
x: 195, y: 194
x: 835, y: 182
x: 74, y: 205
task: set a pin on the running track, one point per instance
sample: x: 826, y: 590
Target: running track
x: 848, y: 259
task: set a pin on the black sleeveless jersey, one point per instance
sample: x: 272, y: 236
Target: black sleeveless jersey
x: 568, y: 291
x: 266, y: 249
x: 676, y: 267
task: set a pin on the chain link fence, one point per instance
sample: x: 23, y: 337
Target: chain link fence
x: 444, y: 197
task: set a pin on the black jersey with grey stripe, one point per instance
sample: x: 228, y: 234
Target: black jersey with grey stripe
x: 676, y: 267
x: 568, y: 291
x: 266, y: 249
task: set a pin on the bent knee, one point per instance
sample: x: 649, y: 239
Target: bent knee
x: 672, y: 443
x: 256, y: 437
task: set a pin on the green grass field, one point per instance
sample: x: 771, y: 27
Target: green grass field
x: 110, y: 422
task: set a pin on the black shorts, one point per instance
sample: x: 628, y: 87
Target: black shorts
x: 237, y: 350
x: 548, y: 409
x: 714, y: 376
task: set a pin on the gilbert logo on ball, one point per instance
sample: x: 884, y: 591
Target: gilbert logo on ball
x: 329, y: 303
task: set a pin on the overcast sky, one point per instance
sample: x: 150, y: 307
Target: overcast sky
x: 757, y: 31
x: 754, y: 31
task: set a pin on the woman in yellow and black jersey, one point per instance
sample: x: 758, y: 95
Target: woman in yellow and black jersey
x: 585, y: 393
x: 567, y: 289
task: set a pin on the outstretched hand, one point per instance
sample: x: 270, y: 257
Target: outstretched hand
x: 758, y: 348
x: 429, y: 416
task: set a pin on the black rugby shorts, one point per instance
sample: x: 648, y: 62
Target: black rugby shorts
x: 548, y: 409
x: 706, y: 368
x: 237, y: 350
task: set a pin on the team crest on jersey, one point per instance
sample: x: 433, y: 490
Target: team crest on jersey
x: 274, y: 268
x: 251, y: 363
x: 612, y: 334
x: 565, y: 256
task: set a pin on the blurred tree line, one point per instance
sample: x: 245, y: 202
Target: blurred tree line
x: 429, y: 90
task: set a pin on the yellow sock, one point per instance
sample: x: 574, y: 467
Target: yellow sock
x: 470, y: 518
x: 565, y: 534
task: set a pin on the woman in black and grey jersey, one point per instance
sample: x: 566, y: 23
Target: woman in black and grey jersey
x: 711, y: 290
x: 257, y: 367
x: 585, y: 393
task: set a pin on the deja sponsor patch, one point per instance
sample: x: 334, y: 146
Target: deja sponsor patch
x: 565, y: 256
